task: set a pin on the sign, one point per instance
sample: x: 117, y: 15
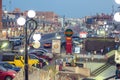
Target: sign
x: 56, y: 46
x: 68, y: 32
x: 83, y: 34
x: 77, y: 49
x: 36, y: 44
x: 68, y: 45
x: 117, y: 57
x: 68, y: 38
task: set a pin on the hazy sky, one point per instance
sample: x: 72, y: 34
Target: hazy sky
x: 69, y: 8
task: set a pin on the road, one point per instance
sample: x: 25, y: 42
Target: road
x: 49, y: 37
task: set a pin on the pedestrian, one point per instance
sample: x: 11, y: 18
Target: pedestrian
x: 117, y: 73
x: 102, y: 51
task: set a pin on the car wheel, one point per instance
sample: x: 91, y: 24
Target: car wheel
x: 8, y: 78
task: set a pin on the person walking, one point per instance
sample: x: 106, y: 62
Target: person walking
x: 117, y: 73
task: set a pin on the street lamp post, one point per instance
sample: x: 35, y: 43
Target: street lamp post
x: 117, y: 14
x: 21, y: 21
x: 117, y: 19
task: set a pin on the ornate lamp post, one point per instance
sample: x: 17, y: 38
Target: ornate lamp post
x: 117, y: 19
x: 117, y: 1
x: 117, y: 14
x: 31, y: 24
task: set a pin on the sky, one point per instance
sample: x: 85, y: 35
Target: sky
x: 67, y: 8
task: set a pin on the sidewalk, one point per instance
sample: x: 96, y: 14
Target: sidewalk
x: 98, y: 56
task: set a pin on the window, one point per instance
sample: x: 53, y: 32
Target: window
x: 18, y: 57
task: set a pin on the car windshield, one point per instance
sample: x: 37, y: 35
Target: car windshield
x: 38, y: 51
x: 42, y: 49
x: 33, y: 56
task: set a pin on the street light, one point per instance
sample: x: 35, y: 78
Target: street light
x: 117, y: 1
x: 21, y: 21
x: 117, y: 14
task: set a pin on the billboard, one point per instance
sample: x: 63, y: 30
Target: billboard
x: 83, y: 34
x: 56, y: 46
x: 117, y: 57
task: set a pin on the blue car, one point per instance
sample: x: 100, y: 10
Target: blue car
x: 9, y: 66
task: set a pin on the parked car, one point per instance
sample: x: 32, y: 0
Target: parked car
x: 6, y: 74
x: 42, y: 62
x: 47, y: 45
x: 42, y: 53
x: 18, y: 59
x: 15, y: 41
x: 77, y: 40
x: 9, y: 66
x: 22, y: 37
x: 44, y: 50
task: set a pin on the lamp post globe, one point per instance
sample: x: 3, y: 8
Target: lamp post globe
x: 36, y: 37
x: 117, y: 16
x: 21, y: 21
x: 31, y: 14
x: 117, y: 1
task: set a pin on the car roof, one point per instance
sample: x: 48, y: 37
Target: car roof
x: 41, y: 49
x: 37, y: 50
x: 3, y: 62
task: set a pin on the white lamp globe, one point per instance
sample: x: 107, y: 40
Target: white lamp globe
x: 36, y: 44
x: 117, y: 1
x: 21, y: 21
x: 36, y: 37
x: 31, y: 14
x: 117, y: 16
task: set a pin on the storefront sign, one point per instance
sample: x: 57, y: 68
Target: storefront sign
x: 83, y: 34
x: 68, y: 45
x: 68, y: 32
x: 77, y: 49
x: 56, y: 46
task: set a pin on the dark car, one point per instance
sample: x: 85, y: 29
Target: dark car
x: 10, y: 66
x: 47, y: 45
x: 42, y: 62
x: 15, y: 41
x: 42, y: 54
x: 6, y: 74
